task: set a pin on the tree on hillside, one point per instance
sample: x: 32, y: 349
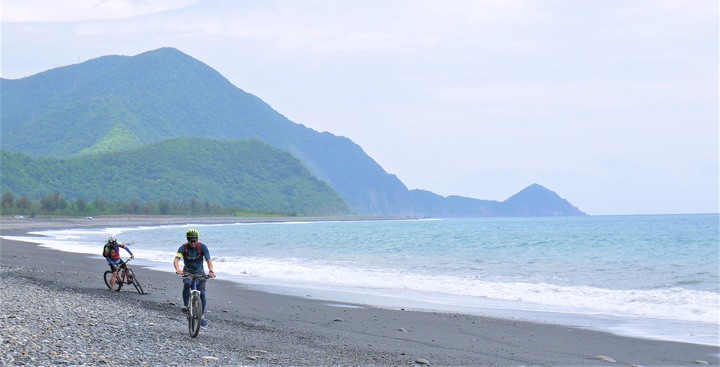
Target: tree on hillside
x: 24, y: 204
x: 80, y: 202
x: 100, y: 204
x: 53, y: 202
x: 8, y: 201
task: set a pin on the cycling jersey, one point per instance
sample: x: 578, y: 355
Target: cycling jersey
x: 193, y: 260
x: 111, y: 252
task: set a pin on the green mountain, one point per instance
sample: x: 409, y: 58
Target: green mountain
x: 244, y: 174
x: 120, y: 104
x: 116, y: 103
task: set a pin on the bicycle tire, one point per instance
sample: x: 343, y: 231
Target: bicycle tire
x: 107, y: 276
x: 134, y: 281
x: 195, y: 317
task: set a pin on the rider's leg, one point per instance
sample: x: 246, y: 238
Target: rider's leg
x: 122, y: 268
x: 186, y: 291
x: 112, y: 279
x: 204, y: 301
x: 203, y: 322
x: 201, y: 288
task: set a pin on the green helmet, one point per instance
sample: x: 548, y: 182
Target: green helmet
x: 192, y: 234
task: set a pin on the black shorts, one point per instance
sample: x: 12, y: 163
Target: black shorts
x: 200, y: 283
x: 112, y: 267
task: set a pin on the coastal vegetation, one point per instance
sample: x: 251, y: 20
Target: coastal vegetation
x: 55, y: 204
x: 172, y: 177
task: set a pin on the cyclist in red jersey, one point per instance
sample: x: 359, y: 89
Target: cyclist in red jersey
x: 111, y: 252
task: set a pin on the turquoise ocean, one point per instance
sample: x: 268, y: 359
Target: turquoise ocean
x: 645, y: 276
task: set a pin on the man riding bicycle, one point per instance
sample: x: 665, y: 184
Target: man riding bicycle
x: 111, y: 252
x: 192, y: 253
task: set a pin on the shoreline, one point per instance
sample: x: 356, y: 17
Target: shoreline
x: 8, y: 223
x: 294, y: 330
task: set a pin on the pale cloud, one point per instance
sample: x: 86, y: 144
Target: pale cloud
x: 341, y: 26
x: 609, y: 103
x: 84, y: 10
x: 687, y: 11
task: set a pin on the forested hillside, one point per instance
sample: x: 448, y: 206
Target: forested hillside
x: 246, y: 174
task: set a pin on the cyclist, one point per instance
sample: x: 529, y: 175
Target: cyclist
x: 111, y: 252
x: 192, y: 253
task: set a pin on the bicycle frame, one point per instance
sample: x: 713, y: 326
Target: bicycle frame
x: 195, y: 305
x: 194, y: 292
x: 122, y: 271
x: 124, y: 275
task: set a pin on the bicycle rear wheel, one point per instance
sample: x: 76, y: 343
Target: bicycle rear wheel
x: 194, y: 316
x: 107, y: 276
x: 133, y: 278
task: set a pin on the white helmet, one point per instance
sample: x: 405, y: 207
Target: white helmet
x: 112, y: 239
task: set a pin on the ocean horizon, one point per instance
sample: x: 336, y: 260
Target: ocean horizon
x: 649, y: 276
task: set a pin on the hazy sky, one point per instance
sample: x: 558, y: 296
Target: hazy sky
x: 611, y: 104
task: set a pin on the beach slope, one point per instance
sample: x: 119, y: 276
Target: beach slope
x: 57, y: 310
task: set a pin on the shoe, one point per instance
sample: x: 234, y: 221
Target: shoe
x: 183, y: 308
x: 203, y: 323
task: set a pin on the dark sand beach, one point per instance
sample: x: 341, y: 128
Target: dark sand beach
x: 56, y: 310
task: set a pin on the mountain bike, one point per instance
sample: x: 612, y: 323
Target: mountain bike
x: 125, y: 276
x: 194, y: 307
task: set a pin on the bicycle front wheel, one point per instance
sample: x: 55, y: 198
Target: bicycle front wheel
x: 108, y: 276
x: 195, y: 316
x: 135, y: 282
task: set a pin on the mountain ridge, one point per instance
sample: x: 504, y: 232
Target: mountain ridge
x: 164, y: 94
x: 116, y: 103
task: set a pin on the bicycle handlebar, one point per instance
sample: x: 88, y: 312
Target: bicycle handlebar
x: 124, y: 263
x: 195, y: 276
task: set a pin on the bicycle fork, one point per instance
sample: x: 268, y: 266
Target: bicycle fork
x: 194, y: 295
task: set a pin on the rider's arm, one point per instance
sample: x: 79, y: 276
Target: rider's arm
x: 210, y: 265
x: 208, y: 259
x: 126, y: 249
x: 176, y: 264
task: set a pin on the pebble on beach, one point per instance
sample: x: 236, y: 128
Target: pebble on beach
x: 44, y: 325
x: 605, y: 358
